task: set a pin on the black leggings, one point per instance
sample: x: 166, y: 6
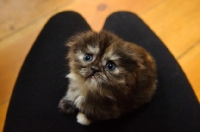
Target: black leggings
x: 42, y: 83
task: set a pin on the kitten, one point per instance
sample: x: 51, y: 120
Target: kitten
x: 108, y: 77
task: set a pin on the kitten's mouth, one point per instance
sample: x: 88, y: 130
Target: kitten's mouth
x: 94, y: 72
x: 91, y: 75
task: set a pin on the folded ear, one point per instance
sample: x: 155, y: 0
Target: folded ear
x: 71, y: 41
x: 77, y: 38
x: 80, y: 37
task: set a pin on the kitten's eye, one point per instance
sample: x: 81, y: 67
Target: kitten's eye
x: 88, y: 57
x: 110, y: 66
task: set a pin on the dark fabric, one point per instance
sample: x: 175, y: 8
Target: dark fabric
x: 42, y: 83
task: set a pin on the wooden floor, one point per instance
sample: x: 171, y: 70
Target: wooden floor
x: 176, y: 22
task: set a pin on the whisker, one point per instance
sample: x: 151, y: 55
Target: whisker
x: 83, y: 72
x: 103, y: 78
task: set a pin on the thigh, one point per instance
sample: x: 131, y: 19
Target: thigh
x: 175, y: 106
x: 41, y: 82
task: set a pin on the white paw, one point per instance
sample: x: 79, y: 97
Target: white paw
x: 82, y: 119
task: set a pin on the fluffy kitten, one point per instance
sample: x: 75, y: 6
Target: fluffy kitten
x: 108, y: 77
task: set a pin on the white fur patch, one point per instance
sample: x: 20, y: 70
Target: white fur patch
x: 114, y: 57
x: 83, y: 71
x: 80, y: 54
x: 94, y: 50
x: 118, y: 70
x: 111, y: 97
x: 104, y: 61
x: 79, y: 101
x: 71, y: 76
x: 109, y: 54
x: 82, y: 119
x: 72, y: 94
x: 92, y: 83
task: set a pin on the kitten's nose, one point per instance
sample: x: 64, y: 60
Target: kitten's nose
x: 94, y: 69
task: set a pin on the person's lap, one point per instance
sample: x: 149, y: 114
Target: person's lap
x: 42, y: 83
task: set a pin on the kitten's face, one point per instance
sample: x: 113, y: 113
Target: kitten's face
x: 102, y: 59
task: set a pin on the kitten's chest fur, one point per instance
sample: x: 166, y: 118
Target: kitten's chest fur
x: 78, y: 88
x: 87, y: 98
x: 77, y: 91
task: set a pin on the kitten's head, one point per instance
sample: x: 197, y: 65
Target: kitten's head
x: 104, y: 60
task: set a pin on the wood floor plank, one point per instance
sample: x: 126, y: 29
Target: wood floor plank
x: 190, y: 63
x: 12, y: 54
x: 3, y: 111
x: 95, y: 12
x: 176, y: 22
x: 15, y: 14
x: 13, y: 51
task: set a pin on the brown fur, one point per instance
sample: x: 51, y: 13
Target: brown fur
x: 107, y: 94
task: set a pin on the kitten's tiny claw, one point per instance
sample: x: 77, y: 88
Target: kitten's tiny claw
x: 82, y: 119
x: 66, y: 106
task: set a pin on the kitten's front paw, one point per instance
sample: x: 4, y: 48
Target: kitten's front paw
x: 66, y: 106
x: 82, y: 119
